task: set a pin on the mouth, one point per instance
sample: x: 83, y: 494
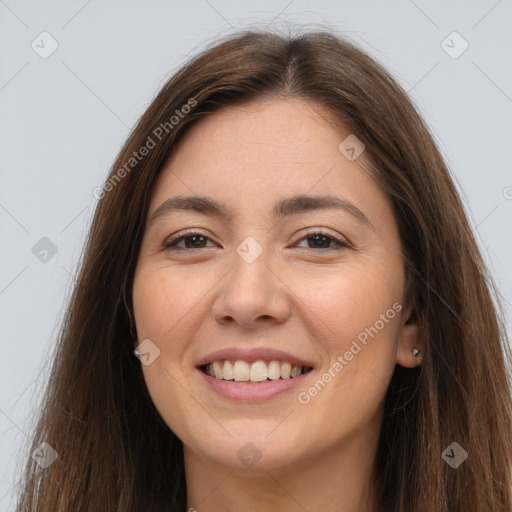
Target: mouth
x: 255, y: 372
x: 253, y: 375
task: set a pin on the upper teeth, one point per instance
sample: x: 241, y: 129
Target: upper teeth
x: 254, y: 372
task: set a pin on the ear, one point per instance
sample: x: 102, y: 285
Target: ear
x: 409, y: 337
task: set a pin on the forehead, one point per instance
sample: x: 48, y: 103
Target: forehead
x: 274, y: 131
x: 256, y: 153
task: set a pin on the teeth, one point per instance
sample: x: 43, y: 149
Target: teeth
x: 295, y: 371
x: 241, y: 370
x: 258, y: 371
x: 286, y: 369
x: 274, y: 370
x: 227, y: 371
x: 217, y: 370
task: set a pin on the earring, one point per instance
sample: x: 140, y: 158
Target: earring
x: 415, y: 352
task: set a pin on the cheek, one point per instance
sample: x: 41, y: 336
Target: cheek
x: 162, y: 298
x: 362, y: 313
x: 351, y: 300
x: 357, y: 326
x: 160, y: 307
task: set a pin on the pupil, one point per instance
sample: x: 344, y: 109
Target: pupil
x: 195, y: 237
x: 317, y: 237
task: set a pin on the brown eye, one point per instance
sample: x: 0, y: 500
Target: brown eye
x: 322, y: 240
x: 196, y: 241
x: 192, y: 240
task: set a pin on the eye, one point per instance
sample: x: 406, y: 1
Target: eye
x: 195, y: 240
x: 320, y: 238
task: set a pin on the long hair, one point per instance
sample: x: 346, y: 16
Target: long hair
x: 114, y: 450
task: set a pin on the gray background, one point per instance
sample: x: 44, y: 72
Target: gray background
x: 64, y: 118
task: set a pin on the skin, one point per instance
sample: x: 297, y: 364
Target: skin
x: 297, y: 296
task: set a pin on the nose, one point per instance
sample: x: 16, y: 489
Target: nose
x: 252, y: 295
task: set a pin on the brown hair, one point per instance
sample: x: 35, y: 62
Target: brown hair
x: 116, y: 452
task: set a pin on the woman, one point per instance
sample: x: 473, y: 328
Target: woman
x: 281, y: 306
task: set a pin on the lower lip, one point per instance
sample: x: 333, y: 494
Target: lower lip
x: 243, y: 392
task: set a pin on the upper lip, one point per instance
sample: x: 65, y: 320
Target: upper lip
x: 252, y: 354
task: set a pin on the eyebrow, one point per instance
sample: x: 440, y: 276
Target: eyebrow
x: 283, y: 208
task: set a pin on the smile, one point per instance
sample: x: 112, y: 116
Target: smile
x: 259, y: 371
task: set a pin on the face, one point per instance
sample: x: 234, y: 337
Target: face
x: 262, y: 289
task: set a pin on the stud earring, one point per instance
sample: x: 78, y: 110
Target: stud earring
x: 415, y: 352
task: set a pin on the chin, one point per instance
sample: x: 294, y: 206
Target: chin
x: 251, y: 448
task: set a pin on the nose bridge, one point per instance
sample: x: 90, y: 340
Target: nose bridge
x: 251, y: 267
x: 251, y: 289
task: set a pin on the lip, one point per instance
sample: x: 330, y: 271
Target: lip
x: 252, y: 354
x: 243, y: 392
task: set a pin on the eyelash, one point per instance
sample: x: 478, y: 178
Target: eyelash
x: 171, y: 244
